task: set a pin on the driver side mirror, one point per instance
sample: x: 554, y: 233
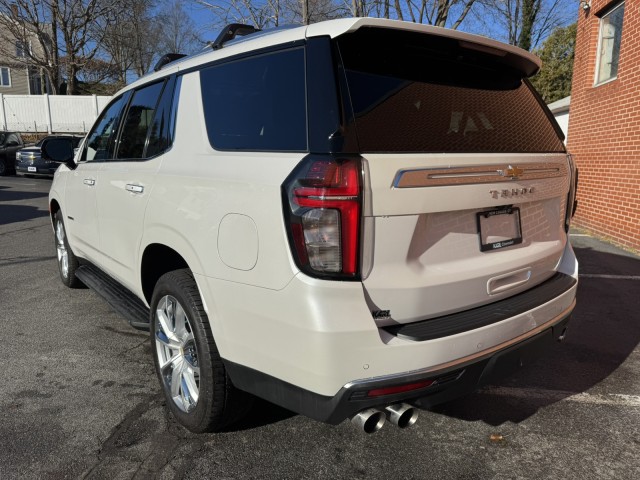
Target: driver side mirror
x: 59, y: 150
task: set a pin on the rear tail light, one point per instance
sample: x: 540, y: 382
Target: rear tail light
x: 322, y: 202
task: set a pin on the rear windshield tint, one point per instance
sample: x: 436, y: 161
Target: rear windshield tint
x: 418, y: 93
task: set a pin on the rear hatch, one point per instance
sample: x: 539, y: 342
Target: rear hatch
x: 466, y: 174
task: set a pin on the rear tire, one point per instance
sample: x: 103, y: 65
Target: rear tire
x: 67, y: 261
x: 197, y: 389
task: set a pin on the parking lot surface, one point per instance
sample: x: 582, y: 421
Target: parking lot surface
x: 79, y: 397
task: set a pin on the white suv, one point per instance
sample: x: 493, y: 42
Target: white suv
x: 349, y: 219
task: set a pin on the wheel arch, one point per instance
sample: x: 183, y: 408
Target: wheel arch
x: 158, y: 259
x: 54, y: 207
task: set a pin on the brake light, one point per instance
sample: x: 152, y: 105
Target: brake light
x: 323, y: 209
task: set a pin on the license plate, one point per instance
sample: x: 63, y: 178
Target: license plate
x: 32, y: 169
x: 499, y: 228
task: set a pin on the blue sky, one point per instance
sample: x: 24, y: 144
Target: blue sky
x: 477, y: 21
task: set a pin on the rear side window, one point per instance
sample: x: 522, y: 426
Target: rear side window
x: 417, y: 93
x: 257, y: 103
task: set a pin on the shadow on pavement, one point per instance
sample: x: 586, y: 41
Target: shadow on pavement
x: 262, y: 413
x: 603, y: 332
x: 19, y: 213
x: 18, y: 195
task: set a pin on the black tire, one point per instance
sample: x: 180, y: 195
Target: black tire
x: 68, y: 274
x: 3, y: 168
x: 218, y: 402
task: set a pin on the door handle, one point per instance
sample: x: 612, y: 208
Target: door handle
x: 134, y: 188
x: 89, y: 181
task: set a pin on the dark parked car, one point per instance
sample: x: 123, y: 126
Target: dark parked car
x: 29, y: 159
x: 10, y: 143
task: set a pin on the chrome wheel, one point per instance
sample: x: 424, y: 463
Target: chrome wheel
x: 61, y: 248
x: 177, y: 353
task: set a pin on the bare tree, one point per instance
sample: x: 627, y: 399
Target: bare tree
x: 178, y: 32
x: 443, y: 13
x: 116, y: 44
x: 317, y: 11
x: 131, y: 36
x: 259, y: 13
x: 80, y: 41
x: 97, y: 76
x: 526, y: 23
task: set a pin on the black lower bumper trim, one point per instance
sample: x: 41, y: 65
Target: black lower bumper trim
x: 447, y: 385
x: 485, y: 315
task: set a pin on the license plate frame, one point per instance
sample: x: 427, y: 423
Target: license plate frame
x: 499, y: 228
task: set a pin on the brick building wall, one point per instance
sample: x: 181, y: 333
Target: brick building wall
x: 604, y: 129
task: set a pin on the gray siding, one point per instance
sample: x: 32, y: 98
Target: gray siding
x: 19, y: 82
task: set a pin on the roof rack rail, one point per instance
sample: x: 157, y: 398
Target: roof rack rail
x: 166, y: 59
x: 230, y: 32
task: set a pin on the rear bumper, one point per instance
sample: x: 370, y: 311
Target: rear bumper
x: 449, y: 382
x: 311, y: 345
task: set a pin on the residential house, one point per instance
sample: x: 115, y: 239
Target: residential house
x: 18, y: 76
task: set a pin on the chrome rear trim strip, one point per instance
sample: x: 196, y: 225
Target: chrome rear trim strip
x: 441, y: 177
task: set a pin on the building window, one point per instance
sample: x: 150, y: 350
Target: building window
x: 35, y: 82
x: 20, y: 49
x: 609, y: 44
x: 5, y: 77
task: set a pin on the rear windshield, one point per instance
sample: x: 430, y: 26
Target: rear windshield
x: 412, y: 92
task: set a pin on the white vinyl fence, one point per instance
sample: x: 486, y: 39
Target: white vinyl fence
x: 49, y: 113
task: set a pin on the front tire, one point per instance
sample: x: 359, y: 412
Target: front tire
x: 67, y: 261
x: 194, y: 381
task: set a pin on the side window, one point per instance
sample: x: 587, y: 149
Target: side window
x: 257, y: 103
x: 101, y: 139
x: 13, y: 140
x: 174, y: 108
x: 159, y: 135
x: 137, y: 121
x: 609, y: 42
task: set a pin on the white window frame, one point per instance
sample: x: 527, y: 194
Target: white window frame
x: 2, y: 85
x: 597, y: 83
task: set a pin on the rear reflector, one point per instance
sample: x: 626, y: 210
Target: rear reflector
x: 379, y: 392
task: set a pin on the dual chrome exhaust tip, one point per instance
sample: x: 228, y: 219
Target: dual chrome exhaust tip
x: 371, y: 420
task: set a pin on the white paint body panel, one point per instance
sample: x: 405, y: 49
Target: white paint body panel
x: 426, y: 238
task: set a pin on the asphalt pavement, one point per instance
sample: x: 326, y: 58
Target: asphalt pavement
x: 79, y: 397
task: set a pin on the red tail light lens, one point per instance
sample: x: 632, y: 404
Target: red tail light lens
x: 323, y: 208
